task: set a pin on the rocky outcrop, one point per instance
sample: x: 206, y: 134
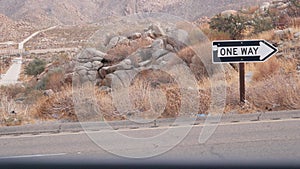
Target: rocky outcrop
x: 163, y: 53
x: 89, y: 62
x: 155, y: 59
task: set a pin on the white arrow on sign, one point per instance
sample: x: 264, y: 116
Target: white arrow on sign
x: 264, y: 50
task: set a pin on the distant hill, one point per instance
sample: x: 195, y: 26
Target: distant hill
x: 44, y: 13
x: 13, y: 30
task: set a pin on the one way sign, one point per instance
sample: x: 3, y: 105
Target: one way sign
x: 236, y: 51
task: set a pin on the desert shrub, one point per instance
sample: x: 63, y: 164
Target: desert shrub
x: 261, y: 24
x: 265, y: 70
x: 20, y: 115
x: 59, y: 106
x: 234, y: 25
x: 12, y: 91
x: 266, y: 35
x: 214, y: 34
x: 35, y: 67
x: 106, y: 107
x: 53, y: 80
x: 279, y: 92
x: 21, y: 93
x: 41, y: 85
x: 155, y: 90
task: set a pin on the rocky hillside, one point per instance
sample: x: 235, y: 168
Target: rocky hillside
x: 44, y: 13
x: 13, y: 31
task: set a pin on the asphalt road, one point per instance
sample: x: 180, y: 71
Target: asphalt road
x: 276, y: 141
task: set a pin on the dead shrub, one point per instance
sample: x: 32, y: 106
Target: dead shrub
x: 267, y: 69
x: 106, y: 107
x: 58, y: 106
x: 55, y: 80
x: 266, y: 35
x: 13, y: 113
x: 233, y: 103
x: 279, y: 92
x: 155, y: 93
x: 12, y: 91
x: 296, y: 22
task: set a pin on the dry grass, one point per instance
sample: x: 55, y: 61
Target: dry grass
x: 153, y: 94
x: 233, y: 103
x: 213, y: 34
x: 296, y: 22
x: 55, y: 81
x: 266, y: 69
x: 266, y: 35
x: 20, y: 115
x: 58, y: 106
x: 274, y: 86
x: 288, y: 65
x: 270, y: 35
x: 106, y: 107
x: 155, y: 90
x: 263, y: 71
x: 279, y: 92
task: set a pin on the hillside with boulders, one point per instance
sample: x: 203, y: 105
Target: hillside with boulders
x: 159, y: 65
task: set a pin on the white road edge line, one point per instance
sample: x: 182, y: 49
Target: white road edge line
x: 32, y: 156
x: 141, y: 129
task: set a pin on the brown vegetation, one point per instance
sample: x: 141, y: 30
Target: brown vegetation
x: 267, y: 69
x: 15, y: 102
x: 58, y: 106
x: 279, y: 92
x: 213, y: 34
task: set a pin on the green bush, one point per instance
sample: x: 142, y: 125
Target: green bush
x: 41, y: 85
x: 35, y: 67
x: 261, y: 24
x: 234, y: 25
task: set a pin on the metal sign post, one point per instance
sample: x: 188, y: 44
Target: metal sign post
x: 242, y: 51
x: 242, y: 82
